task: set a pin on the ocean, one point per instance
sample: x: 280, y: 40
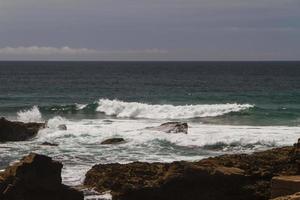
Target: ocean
x: 231, y: 107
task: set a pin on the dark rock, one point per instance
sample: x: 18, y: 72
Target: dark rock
x: 227, y: 177
x: 18, y: 131
x: 113, y: 141
x: 172, y: 127
x: 284, y: 185
x: 35, y: 177
x: 49, y: 144
x: 62, y: 127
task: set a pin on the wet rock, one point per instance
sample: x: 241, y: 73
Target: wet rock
x: 62, y: 127
x: 284, y: 185
x: 172, y: 127
x: 227, y: 177
x: 35, y: 177
x: 49, y: 144
x: 18, y: 131
x: 113, y: 141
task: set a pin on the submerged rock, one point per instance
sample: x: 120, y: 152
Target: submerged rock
x: 49, y: 144
x: 113, y: 141
x: 35, y: 177
x: 227, y: 177
x: 18, y: 131
x: 172, y: 127
x: 62, y: 127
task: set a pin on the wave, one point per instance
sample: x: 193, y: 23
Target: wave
x: 140, y: 110
x: 30, y: 115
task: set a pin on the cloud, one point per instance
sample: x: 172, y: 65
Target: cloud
x: 65, y: 53
x: 36, y: 50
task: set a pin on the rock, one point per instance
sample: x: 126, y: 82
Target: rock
x: 49, y: 144
x: 227, y: 177
x: 62, y: 127
x: 18, y: 131
x: 295, y: 196
x: 284, y: 185
x: 113, y: 141
x: 172, y: 127
x: 35, y: 177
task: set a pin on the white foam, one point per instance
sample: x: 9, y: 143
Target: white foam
x: 56, y: 121
x: 80, y: 145
x: 30, y: 115
x: 140, y: 110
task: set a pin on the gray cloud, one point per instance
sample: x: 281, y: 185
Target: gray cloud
x: 186, y: 29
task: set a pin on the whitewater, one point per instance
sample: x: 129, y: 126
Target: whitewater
x: 79, y: 146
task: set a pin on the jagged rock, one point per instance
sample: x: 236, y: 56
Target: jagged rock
x: 62, y: 127
x: 227, y: 177
x: 113, y: 141
x: 18, y: 131
x: 289, y: 197
x: 172, y: 127
x: 284, y: 185
x: 49, y: 144
x: 35, y: 177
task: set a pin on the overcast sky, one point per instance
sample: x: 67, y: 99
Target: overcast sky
x: 150, y: 29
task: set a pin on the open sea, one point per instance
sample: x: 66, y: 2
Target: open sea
x: 231, y: 107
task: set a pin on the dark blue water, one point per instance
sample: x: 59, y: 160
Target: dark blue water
x: 272, y: 87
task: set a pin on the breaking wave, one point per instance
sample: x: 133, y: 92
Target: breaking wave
x: 30, y: 115
x: 140, y: 110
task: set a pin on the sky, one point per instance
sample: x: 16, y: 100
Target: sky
x: 150, y: 30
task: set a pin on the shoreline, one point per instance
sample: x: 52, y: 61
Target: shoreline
x: 259, y: 175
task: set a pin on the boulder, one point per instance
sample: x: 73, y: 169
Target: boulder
x: 227, y: 177
x: 35, y: 177
x: 113, y: 141
x: 171, y: 127
x: 284, y: 185
x: 18, y: 131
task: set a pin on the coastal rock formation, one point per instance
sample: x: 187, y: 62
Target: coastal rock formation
x: 18, y: 131
x: 284, y: 185
x: 113, y: 141
x: 35, y: 177
x: 289, y: 197
x: 171, y: 127
x: 232, y: 177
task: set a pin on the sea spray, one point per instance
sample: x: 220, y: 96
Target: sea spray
x: 30, y: 115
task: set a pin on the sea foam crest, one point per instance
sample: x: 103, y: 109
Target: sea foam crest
x: 140, y: 110
x: 30, y: 115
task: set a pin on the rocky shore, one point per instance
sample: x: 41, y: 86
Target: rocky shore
x: 232, y: 177
x: 272, y: 174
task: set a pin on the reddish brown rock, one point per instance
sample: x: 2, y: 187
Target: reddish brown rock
x: 289, y: 197
x: 232, y: 177
x: 35, y: 177
x: 18, y: 131
x: 284, y: 185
